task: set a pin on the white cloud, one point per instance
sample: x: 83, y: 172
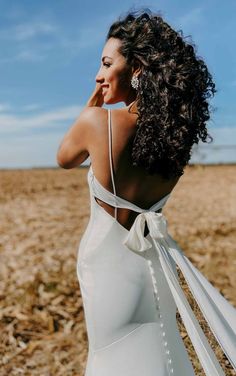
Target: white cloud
x: 88, y: 37
x: 24, y: 56
x: 10, y: 123
x: 31, y: 107
x: 22, y: 39
x: 26, y: 31
x: 27, y: 46
x: 29, y: 55
x: 32, y: 30
x: 31, y: 151
x: 39, y: 150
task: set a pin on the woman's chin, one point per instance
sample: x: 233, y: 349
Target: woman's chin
x: 105, y: 100
x: 110, y: 100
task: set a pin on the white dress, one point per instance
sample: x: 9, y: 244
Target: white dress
x: 130, y: 291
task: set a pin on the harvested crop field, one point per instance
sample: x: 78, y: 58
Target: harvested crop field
x: 43, y: 214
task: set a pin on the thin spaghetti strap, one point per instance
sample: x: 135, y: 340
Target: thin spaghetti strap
x: 110, y: 156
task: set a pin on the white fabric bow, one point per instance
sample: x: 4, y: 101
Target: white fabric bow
x: 157, y: 225
x: 219, y: 313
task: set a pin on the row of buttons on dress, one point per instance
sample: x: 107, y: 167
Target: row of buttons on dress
x: 157, y: 299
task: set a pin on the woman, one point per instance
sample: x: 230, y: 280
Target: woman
x: 127, y: 260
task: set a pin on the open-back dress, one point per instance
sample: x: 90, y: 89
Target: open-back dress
x: 130, y: 290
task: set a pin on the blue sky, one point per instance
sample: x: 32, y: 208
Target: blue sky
x: 50, y: 54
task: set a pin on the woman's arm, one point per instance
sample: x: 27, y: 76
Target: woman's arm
x: 74, y: 148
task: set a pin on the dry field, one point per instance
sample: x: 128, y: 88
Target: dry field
x: 43, y: 213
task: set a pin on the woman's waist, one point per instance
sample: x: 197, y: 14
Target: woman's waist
x: 101, y: 340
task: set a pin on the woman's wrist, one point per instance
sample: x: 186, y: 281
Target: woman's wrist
x: 96, y: 98
x: 94, y: 101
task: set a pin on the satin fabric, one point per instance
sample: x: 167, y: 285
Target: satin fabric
x: 130, y: 290
x: 129, y: 332
x: 218, y: 312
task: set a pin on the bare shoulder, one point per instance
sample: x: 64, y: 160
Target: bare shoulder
x: 93, y: 114
x: 123, y: 124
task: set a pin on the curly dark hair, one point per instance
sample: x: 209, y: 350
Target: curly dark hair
x: 174, y: 86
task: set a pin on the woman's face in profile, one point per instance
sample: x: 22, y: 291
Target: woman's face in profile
x: 114, y: 74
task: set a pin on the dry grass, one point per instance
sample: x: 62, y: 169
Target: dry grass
x: 43, y: 215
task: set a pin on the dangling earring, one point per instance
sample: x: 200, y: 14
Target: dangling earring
x: 135, y: 82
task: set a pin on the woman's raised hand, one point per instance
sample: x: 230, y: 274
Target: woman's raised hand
x: 96, y: 98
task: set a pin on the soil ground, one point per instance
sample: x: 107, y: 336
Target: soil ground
x: 43, y: 214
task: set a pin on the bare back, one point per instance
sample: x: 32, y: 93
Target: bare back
x: 132, y: 183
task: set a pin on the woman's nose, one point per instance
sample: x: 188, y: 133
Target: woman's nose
x: 99, y: 77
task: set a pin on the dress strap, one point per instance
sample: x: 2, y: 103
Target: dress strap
x: 110, y: 156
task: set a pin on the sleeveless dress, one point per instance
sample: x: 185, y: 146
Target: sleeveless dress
x: 130, y: 291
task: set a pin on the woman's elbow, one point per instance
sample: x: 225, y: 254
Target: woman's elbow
x: 71, y: 161
x: 61, y: 160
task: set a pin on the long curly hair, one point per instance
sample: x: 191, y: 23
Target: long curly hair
x: 172, y: 96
